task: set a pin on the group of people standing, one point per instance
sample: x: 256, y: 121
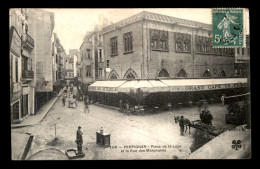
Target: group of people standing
x: 86, y: 99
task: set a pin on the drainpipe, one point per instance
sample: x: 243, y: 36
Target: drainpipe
x: 193, y: 51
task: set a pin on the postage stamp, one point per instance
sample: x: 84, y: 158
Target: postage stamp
x: 228, y: 27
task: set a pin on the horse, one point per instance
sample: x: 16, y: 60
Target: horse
x: 187, y: 122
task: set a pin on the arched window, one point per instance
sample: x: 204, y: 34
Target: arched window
x: 154, y: 42
x: 185, y: 46
x: 182, y: 73
x: 178, y: 43
x: 130, y: 74
x: 223, y: 74
x: 164, y: 45
x: 206, y: 74
x: 88, y: 71
x: 128, y: 42
x: 113, y: 45
x: 205, y: 48
x: 163, y: 73
x: 199, y: 48
x: 178, y: 46
x: 113, y: 76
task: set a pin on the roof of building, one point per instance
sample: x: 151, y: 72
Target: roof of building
x: 157, y: 17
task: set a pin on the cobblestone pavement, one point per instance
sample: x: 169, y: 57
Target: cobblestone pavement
x: 153, y: 132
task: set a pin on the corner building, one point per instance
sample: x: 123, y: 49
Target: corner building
x: 150, y: 46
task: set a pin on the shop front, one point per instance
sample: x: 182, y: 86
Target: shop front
x: 15, y: 75
x: 25, y: 106
x: 164, y: 93
x: 105, y: 92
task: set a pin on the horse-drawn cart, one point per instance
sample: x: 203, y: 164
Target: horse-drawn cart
x: 209, y: 129
x: 72, y: 103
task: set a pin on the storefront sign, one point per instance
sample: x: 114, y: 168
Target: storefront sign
x: 206, y: 87
x: 103, y: 89
x: 45, y: 86
x: 15, y: 42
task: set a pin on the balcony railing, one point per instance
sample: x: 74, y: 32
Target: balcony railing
x: 27, y: 74
x: 27, y: 41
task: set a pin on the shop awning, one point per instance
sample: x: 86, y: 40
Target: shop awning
x: 166, y: 85
x: 106, y: 86
x: 186, y: 85
x: 159, y: 86
x: 134, y: 85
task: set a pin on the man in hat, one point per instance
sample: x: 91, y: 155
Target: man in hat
x: 208, y: 118
x: 181, y: 123
x: 79, y: 140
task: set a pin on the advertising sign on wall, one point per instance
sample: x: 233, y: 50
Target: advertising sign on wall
x: 15, y: 42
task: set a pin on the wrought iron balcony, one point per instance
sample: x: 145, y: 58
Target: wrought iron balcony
x: 27, y: 41
x: 27, y: 74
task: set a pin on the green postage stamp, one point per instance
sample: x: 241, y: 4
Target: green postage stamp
x: 228, y: 27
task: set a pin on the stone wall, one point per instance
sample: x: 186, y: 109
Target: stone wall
x: 122, y: 62
x: 147, y: 63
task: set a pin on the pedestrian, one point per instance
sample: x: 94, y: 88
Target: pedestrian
x: 199, y: 107
x: 79, y: 140
x: 222, y: 99
x: 127, y: 107
x: 86, y: 103
x: 202, y: 116
x: 208, y: 118
x: 181, y: 123
x: 71, y: 89
x: 75, y: 101
x: 64, y: 100
x: 121, y: 105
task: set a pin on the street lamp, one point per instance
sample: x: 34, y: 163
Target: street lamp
x: 108, y: 70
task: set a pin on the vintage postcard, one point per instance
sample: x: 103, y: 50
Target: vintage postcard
x: 129, y: 84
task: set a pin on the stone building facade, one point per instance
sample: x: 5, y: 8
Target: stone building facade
x: 21, y: 68
x: 37, y: 67
x: 91, y: 63
x: 242, y: 59
x: 87, y: 59
x: 150, y: 46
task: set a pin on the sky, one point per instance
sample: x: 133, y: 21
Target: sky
x: 72, y: 24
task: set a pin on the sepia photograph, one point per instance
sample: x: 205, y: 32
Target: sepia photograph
x: 129, y: 83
